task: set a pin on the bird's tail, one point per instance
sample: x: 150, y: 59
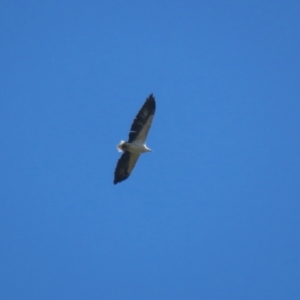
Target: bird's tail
x: 120, y: 146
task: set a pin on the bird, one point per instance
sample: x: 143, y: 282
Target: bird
x: 136, y: 144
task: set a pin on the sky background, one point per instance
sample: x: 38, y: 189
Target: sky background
x: 213, y: 212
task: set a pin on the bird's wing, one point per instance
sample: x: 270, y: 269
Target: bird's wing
x: 124, y: 166
x: 142, y: 122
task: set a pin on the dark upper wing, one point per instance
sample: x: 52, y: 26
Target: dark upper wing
x: 142, y: 122
x: 124, y: 166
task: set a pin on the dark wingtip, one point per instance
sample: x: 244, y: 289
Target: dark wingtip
x: 151, y: 97
x: 151, y: 101
x: 116, y: 180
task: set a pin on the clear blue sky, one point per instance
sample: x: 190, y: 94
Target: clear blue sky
x: 213, y: 212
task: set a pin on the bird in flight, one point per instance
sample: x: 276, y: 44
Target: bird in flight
x: 136, y: 144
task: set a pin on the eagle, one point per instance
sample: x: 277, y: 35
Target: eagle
x: 136, y: 144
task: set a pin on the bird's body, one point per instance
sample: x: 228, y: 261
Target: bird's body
x: 134, y: 147
x: 136, y: 143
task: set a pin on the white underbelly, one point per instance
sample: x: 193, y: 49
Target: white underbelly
x: 137, y: 148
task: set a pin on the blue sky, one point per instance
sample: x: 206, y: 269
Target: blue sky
x: 212, y: 212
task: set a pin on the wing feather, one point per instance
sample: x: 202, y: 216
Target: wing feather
x: 125, y: 166
x: 142, y: 122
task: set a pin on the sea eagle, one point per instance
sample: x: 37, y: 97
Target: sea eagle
x: 136, y: 143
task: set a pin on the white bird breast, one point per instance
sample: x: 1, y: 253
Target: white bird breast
x: 138, y: 148
x: 133, y: 147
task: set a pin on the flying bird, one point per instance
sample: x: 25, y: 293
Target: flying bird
x: 136, y: 144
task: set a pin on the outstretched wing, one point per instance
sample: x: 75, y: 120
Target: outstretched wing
x: 142, y: 122
x: 125, y: 165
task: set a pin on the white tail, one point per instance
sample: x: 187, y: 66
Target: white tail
x: 119, y: 147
